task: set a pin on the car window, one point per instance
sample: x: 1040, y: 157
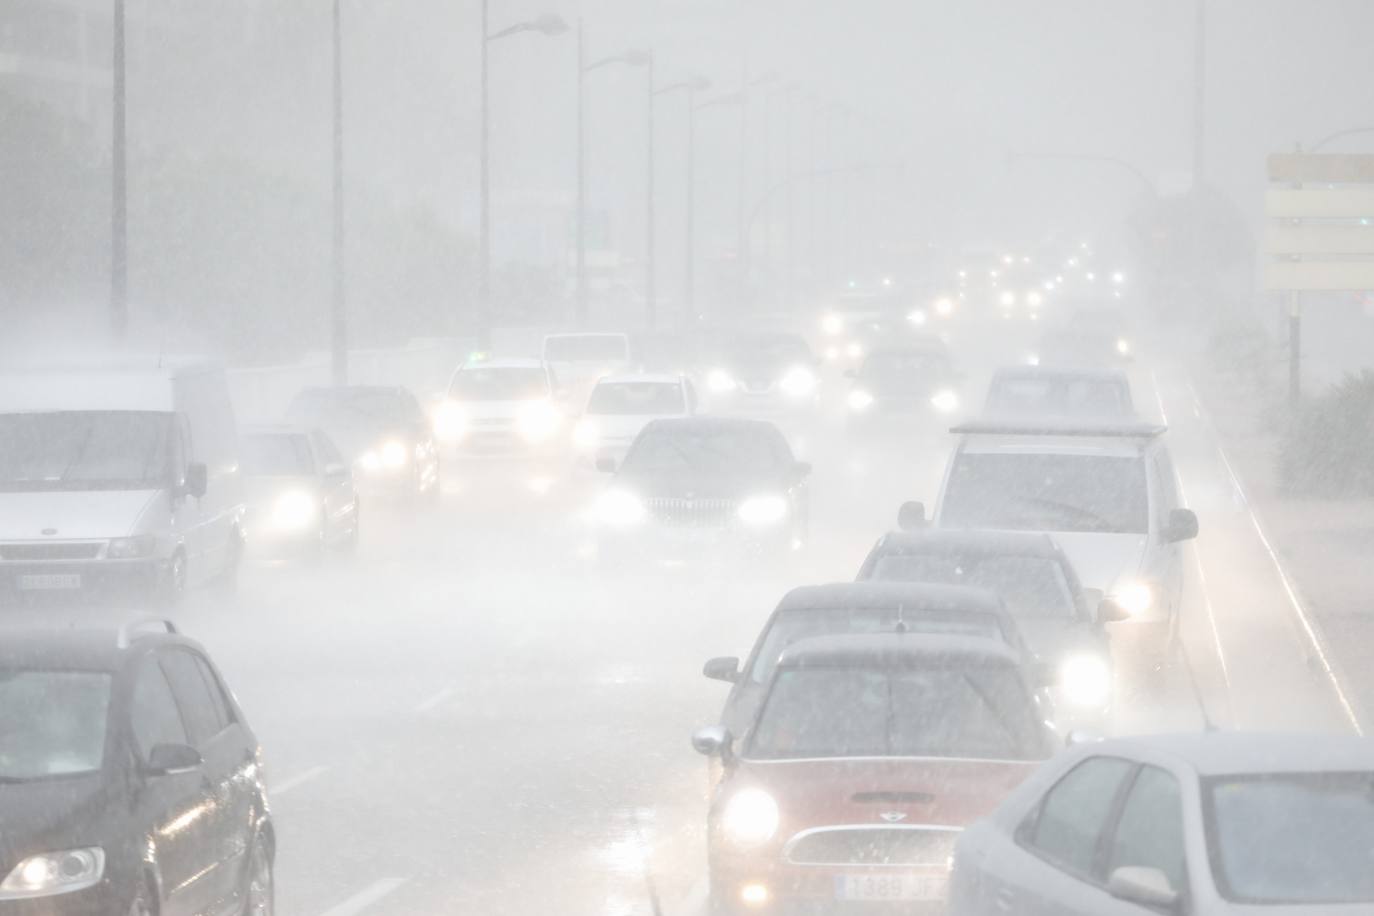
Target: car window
x: 1149, y: 832
x: 218, y: 696
x: 203, y: 717
x: 329, y: 452
x: 1069, y: 822
x: 154, y: 713
x: 1047, y: 492
x: 52, y: 723
x: 1029, y: 586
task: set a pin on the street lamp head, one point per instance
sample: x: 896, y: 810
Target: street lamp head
x: 698, y: 84
x: 549, y: 24
x: 636, y: 57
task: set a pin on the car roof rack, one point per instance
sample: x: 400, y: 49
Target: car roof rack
x: 1050, y: 427
x: 129, y: 630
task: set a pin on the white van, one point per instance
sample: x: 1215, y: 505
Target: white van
x: 118, y: 478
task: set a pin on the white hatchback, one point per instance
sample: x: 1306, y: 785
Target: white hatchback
x: 622, y: 405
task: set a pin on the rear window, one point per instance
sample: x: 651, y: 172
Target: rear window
x: 1028, y: 586
x: 52, y: 723
x: 499, y: 384
x: 637, y: 399
x: 586, y: 348
x: 1070, y: 397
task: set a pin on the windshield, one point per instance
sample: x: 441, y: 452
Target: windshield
x: 586, y: 348
x: 1063, y: 396
x: 52, y: 723
x: 978, y: 712
x: 277, y: 455
x: 790, y: 626
x: 1292, y: 839
x: 644, y: 399
x: 667, y: 448
x: 1028, y: 586
x: 499, y: 384
x: 1047, y: 492
x: 85, y: 450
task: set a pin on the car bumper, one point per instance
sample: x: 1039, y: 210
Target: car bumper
x: 65, y: 580
x: 100, y: 900
x: 813, y: 890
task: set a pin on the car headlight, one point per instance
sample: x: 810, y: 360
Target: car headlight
x: 763, y: 510
x: 537, y: 421
x: 798, y: 382
x: 945, y: 401
x: 294, y: 510
x: 587, y: 434
x: 1086, y: 681
x: 944, y: 306
x: 1034, y: 299
x: 917, y: 317
x: 1032, y: 359
x: 1008, y: 299
x: 620, y: 509
x: 750, y: 818
x: 1123, y: 346
x: 832, y: 353
x: 394, y: 454
x: 720, y: 381
x: 51, y: 873
x: 131, y: 548
x: 1135, y: 597
x: 450, y: 421
x: 832, y: 325
x: 860, y: 399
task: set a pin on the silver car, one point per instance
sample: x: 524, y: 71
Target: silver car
x: 1202, y: 824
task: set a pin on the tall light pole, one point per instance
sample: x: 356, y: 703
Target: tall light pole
x: 1199, y: 92
x: 734, y: 98
x: 549, y: 24
x: 691, y: 86
x: 634, y: 59
x: 119, y: 213
x: 741, y: 235
x: 338, y: 316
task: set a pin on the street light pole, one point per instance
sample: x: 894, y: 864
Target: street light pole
x: 339, y: 318
x: 650, y: 239
x: 119, y: 214
x: 690, y: 301
x: 1199, y: 92
x: 693, y: 85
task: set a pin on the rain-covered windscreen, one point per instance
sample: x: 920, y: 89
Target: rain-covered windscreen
x: 1294, y: 839
x: 1061, y: 396
x: 85, y: 450
x: 1047, y: 492
x: 645, y: 399
x: 52, y: 723
x: 893, y: 371
x: 586, y: 348
x: 968, y: 711
x: 729, y: 449
x: 1028, y: 586
x: 499, y: 384
x: 791, y: 626
x: 276, y: 455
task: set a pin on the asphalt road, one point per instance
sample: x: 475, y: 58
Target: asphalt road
x: 467, y: 717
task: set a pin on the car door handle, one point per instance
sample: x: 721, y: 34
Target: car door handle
x: 1005, y: 900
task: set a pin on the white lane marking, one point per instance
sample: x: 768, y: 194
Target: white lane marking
x: 1316, y: 640
x: 365, y: 897
x: 440, y: 696
x: 301, y: 778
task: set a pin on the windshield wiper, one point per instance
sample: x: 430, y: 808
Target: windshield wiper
x: 1103, y: 523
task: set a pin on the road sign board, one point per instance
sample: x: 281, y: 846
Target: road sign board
x: 1319, y: 203
x: 1324, y: 168
x: 1319, y: 276
x: 1319, y: 238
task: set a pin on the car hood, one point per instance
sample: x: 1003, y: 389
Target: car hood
x: 73, y: 515
x: 700, y: 485
x: 50, y: 814
x: 1102, y: 560
x: 882, y: 790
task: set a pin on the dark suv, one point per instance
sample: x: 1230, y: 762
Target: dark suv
x: 129, y: 780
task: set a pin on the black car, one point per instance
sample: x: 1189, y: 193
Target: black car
x: 129, y: 779
x: 382, y: 430
x: 1062, y: 622
x: 856, y: 609
x: 760, y: 372
x: 698, y: 485
x: 906, y: 383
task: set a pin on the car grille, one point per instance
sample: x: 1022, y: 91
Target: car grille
x: 66, y: 550
x: 693, y: 513
x: 873, y: 846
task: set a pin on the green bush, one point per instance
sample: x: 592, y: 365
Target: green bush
x: 1328, y: 449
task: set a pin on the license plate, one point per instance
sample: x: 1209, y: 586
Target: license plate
x: 889, y: 887
x: 50, y: 581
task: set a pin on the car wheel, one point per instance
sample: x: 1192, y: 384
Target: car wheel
x: 259, y: 897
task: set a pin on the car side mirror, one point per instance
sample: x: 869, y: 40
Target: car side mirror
x: 1109, y: 611
x: 1182, y: 526
x: 725, y: 668
x: 714, y: 741
x: 1146, y: 886
x: 197, y: 480
x: 1080, y: 736
x: 172, y: 759
x: 605, y: 464
x: 911, y: 516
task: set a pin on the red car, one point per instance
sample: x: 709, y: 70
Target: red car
x: 867, y: 757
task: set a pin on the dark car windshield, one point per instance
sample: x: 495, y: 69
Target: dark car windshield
x: 637, y: 399
x: 1047, y: 492
x: 1295, y: 839
x: 586, y: 348
x: 500, y: 384
x: 790, y: 626
x: 1063, y: 396
x: 85, y: 450
x: 732, y: 450
x: 52, y: 723
x: 1029, y: 586
x: 277, y: 455
x: 976, y: 711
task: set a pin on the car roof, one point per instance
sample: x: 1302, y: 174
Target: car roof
x: 1057, y: 435
x: 711, y: 423
x: 1049, y: 373
x: 641, y: 378
x: 505, y: 362
x: 913, y: 596
x: 896, y: 650
x: 1252, y: 753
x: 962, y: 542
x: 103, y: 648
